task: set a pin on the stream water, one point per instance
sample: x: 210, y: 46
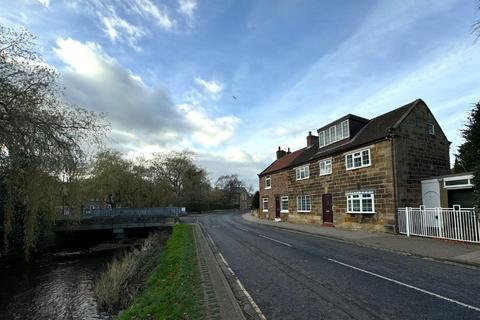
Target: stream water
x: 54, y: 286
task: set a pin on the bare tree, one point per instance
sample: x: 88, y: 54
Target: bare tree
x: 40, y: 135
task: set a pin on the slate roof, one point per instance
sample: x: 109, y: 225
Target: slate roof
x: 376, y: 129
x: 283, y: 162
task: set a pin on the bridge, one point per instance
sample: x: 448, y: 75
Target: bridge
x: 119, y: 219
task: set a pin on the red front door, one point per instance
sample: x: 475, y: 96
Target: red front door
x: 327, y: 208
x: 277, y: 207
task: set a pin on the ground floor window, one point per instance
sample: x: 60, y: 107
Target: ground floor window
x: 304, y: 204
x: 284, y: 204
x: 265, y: 205
x: 361, y: 202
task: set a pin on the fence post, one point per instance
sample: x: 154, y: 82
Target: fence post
x: 407, y: 220
x: 439, y: 214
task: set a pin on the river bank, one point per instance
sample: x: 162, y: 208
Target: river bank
x: 58, y: 284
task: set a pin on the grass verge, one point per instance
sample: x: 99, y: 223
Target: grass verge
x: 125, y: 277
x: 173, y: 290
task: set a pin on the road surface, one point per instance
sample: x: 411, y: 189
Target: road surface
x: 291, y: 275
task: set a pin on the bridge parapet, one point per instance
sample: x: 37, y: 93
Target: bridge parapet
x: 120, y: 218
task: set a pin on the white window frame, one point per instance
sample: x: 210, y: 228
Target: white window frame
x: 358, y: 154
x: 334, y: 133
x: 321, y: 138
x: 282, y: 199
x: 298, y: 172
x: 325, y: 162
x: 468, y: 177
x: 308, y: 204
x: 264, y: 200
x: 431, y: 128
x: 360, y: 196
x: 269, y: 184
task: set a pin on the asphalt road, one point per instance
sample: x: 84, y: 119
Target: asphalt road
x: 297, y: 276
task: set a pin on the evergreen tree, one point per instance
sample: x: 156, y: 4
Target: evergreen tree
x: 468, y: 156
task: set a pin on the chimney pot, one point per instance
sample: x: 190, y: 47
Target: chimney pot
x: 280, y: 153
x: 311, y: 139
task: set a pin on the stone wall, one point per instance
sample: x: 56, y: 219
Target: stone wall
x: 418, y: 155
x: 377, y: 177
x: 279, y: 183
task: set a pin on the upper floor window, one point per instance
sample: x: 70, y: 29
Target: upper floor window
x: 302, y: 172
x: 431, y: 128
x: 361, y: 202
x: 358, y: 159
x: 268, y: 182
x: 304, y: 204
x: 284, y: 204
x: 265, y: 205
x: 325, y: 167
x: 334, y: 133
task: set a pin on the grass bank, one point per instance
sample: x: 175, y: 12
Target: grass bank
x: 124, y: 278
x: 173, y: 290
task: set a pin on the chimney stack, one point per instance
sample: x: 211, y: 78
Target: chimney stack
x: 280, y: 153
x: 311, y: 139
x: 288, y: 151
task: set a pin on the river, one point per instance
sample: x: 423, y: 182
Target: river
x: 54, y: 286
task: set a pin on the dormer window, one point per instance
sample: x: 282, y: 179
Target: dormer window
x: 268, y: 182
x: 334, y: 133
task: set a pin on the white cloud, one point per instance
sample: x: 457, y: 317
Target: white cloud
x: 144, y: 120
x: 139, y: 115
x: 45, y: 3
x: 147, y: 8
x: 81, y: 58
x: 213, y: 88
x: 117, y: 28
x: 187, y: 7
x: 209, y: 132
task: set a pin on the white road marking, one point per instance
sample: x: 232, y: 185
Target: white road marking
x: 278, y: 241
x: 249, y: 297
x: 246, y: 230
x: 406, y: 285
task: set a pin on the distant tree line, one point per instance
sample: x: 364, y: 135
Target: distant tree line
x: 45, y: 166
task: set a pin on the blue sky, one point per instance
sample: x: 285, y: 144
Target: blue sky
x: 165, y: 71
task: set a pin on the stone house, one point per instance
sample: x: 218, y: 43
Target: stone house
x: 241, y: 198
x: 356, y: 172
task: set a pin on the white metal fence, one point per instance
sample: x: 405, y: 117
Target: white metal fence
x: 461, y: 224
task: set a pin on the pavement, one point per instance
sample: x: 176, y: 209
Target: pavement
x: 220, y: 301
x: 299, y: 274
x: 446, y: 250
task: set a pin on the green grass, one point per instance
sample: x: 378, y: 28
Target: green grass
x: 173, y: 290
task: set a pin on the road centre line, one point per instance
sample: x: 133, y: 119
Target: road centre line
x: 278, y: 241
x: 246, y: 230
x: 406, y: 285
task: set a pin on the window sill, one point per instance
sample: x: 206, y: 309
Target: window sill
x: 267, y: 188
x: 283, y: 211
x: 325, y: 174
x: 264, y: 210
x: 304, y: 211
x: 302, y: 179
x: 366, y: 166
x: 369, y: 212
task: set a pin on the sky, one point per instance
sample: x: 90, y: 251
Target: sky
x: 233, y: 80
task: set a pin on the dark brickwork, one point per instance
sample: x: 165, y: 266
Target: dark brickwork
x: 399, y: 161
x: 418, y: 155
x: 378, y: 177
x: 279, y: 188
